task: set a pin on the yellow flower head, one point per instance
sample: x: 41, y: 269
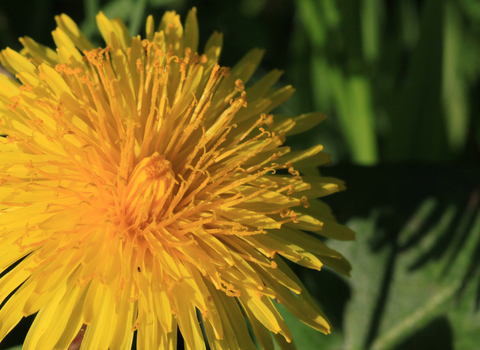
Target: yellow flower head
x: 144, y: 188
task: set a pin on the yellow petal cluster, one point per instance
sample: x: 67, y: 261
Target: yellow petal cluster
x: 144, y: 188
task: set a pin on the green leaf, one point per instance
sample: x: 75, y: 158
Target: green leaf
x: 455, y: 84
x: 416, y: 113
x: 158, y: 3
x: 252, y: 8
x: 137, y: 16
x: 353, y: 100
x: 89, y: 25
x: 413, y: 278
x: 371, y: 15
x: 119, y: 8
x: 410, y: 25
x: 313, y: 22
x: 471, y: 7
x: 416, y: 295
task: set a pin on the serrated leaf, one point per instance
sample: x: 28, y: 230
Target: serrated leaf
x: 399, y: 289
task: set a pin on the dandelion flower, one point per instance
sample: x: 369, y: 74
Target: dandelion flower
x: 145, y: 189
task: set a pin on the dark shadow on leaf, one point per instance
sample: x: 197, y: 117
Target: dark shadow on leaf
x: 463, y: 237
x: 383, y: 295
x: 441, y: 223
x: 438, y: 334
x: 473, y: 271
x: 477, y: 297
x: 399, y: 192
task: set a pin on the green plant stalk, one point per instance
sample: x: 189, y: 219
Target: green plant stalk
x: 137, y: 17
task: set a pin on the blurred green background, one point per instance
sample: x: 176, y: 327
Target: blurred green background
x: 400, y: 82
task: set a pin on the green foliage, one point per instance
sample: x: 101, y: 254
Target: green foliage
x: 416, y: 295
x: 398, y: 78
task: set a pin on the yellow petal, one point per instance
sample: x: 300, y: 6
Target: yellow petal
x: 61, y: 89
x: 15, y: 277
x: 261, y: 333
x: 20, y: 64
x: 11, y: 313
x: 63, y: 40
x: 261, y: 87
x: 43, y: 321
x: 191, y: 30
x: 236, y: 332
x: 173, y: 29
x: 149, y: 330
x: 150, y: 28
x: 68, y: 26
x: 39, y: 52
x: 321, y: 186
x: 263, y: 309
x: 312, y: 155
x: 99, y: 333
x: 64, y: 322
x: 108, y: 30
x: 187, y: 320
x: 248, y: 217
x: 126, y: 312
x: 302, y: 123
x: 298, y: 307
x: 268, y: 102
x: 283, y: 343
x: 123, y: 33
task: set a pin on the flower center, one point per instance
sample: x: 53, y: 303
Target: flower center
x: 149, y: 189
